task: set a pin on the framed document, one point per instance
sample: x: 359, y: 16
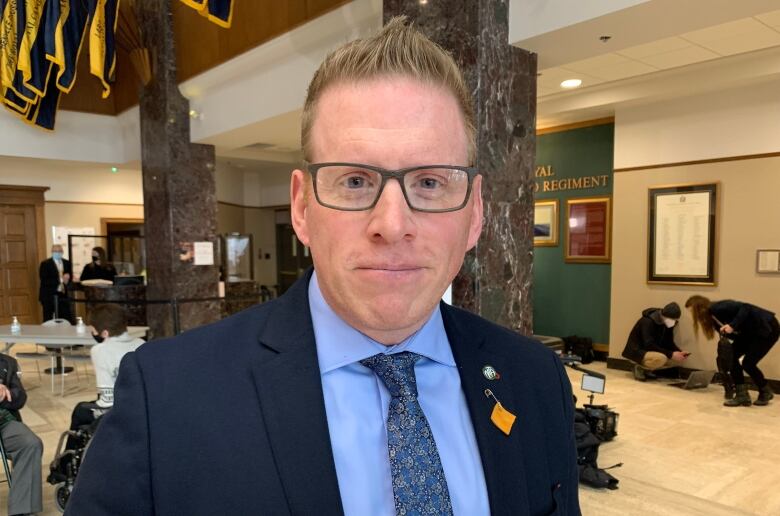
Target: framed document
x: 768, y: 261
x: 588, y: 230
x: 682, y: 233
x: 546, y: 223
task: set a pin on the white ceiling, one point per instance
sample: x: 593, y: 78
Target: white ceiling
x: 678, y: 64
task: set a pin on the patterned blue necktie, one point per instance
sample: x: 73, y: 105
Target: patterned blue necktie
x: 419, y: 485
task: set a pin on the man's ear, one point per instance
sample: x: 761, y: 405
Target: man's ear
x: 299, y: 199
x: 475, y: 225
x: 105, y: 334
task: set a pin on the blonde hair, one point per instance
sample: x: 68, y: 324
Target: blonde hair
x: 400, y: 50
x: 702, y: 318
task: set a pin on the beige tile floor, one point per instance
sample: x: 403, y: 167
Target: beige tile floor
x: 683, y: 453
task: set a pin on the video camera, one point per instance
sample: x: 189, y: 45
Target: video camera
x: 602, y: 420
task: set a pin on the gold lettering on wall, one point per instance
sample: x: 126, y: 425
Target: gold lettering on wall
x: 569, y: 183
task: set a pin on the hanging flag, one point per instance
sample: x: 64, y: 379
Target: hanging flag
x: 65, y: 38
x: 9, y: 43
x: 44, y: 113
x: 102, y: 48
x: 198, y: 5
x: 221, y: 12
x: 14, y: 102
x: 32, y: 63
x: 26, y: 16
x: 217, y: 11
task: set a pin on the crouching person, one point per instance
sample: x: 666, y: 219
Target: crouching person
x: 651, y: 344
x: 22, y: 446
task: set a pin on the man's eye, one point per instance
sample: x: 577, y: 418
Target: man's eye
x: 429, y: 183
x: 356, y: 181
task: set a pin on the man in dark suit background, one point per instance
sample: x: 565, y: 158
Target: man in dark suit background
x: 55, y: 274
x: 358, y: 391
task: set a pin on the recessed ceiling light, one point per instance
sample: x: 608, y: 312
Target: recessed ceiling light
x: 571, y: 83
x: 423, y: 2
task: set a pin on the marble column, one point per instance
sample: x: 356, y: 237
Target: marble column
x: 180, y: 202
x: 496, y: 278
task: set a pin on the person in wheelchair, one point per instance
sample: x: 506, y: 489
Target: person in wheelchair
x: 109, y: 328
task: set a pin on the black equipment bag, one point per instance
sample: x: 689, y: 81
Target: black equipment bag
x: 580, y: 346
x: 587, y: 454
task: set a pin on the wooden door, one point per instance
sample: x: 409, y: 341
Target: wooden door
x: 18, y: 264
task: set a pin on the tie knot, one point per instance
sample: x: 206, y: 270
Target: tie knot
x: 396, y: 371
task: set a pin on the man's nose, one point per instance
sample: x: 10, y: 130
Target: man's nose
x: 392, y: 219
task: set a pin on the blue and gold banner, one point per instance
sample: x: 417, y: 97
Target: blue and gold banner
x: 217, y: 11
x: 65, y: 39
x: 40, y: 43
x: 102, y: 48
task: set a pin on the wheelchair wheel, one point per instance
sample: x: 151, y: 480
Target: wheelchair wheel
x: 61, y: 495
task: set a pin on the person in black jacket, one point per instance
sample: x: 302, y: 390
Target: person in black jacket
x: 754, y: 330
x: 651, y: 344
x: 55, y: 274
x: 23, y: 447
x: 99, y: 268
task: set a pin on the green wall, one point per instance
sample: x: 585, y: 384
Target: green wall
x: 572, y: 298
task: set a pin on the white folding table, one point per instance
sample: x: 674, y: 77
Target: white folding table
x: 57, y: 336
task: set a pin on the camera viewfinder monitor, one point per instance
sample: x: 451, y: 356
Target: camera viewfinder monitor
x: 593, y: 384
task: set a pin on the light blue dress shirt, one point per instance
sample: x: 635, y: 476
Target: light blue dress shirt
x: 356, y: 403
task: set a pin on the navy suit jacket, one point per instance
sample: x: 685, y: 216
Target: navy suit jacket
x: 49, y: 278
x: 229, y: 419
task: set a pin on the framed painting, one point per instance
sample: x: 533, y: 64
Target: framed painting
x: 589, y: 230
x: 546, y: 223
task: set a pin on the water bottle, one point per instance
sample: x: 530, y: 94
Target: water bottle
x: 16, y: 328
x: 81, y: 328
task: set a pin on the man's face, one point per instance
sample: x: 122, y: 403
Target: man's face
x: 384, y: 270
x: 56, y: 249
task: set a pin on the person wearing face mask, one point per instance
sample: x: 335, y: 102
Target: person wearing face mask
x: 109, y: 329
x: 54, y: 274
x: 98, y: 268
x: 651, y: 342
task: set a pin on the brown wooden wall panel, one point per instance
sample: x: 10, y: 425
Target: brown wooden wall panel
x: 14, y: 224
x: 21, y: 306
x: 18, y: 279
x: 15, y: 252
x: 200, y: 46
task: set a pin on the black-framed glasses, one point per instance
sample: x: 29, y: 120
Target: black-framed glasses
x: 357, y: 187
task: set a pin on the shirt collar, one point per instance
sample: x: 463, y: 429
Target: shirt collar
x: 339, y: 344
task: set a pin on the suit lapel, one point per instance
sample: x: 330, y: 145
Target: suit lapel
x: 287, y: 379
x: 502, y: 455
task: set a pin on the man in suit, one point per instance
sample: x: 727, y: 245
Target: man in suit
x: 55, y: 274
x: 358, y: 391
x: 22, y: 446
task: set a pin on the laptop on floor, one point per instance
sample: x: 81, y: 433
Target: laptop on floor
x: 696, y: 380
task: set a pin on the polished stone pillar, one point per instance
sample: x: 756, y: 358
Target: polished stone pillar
x: 496, y: 278
x: 180, y: 202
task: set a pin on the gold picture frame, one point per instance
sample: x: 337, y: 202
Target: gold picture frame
x: 588, y: 230
x: 546, y: 223
x: 682, y: 234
